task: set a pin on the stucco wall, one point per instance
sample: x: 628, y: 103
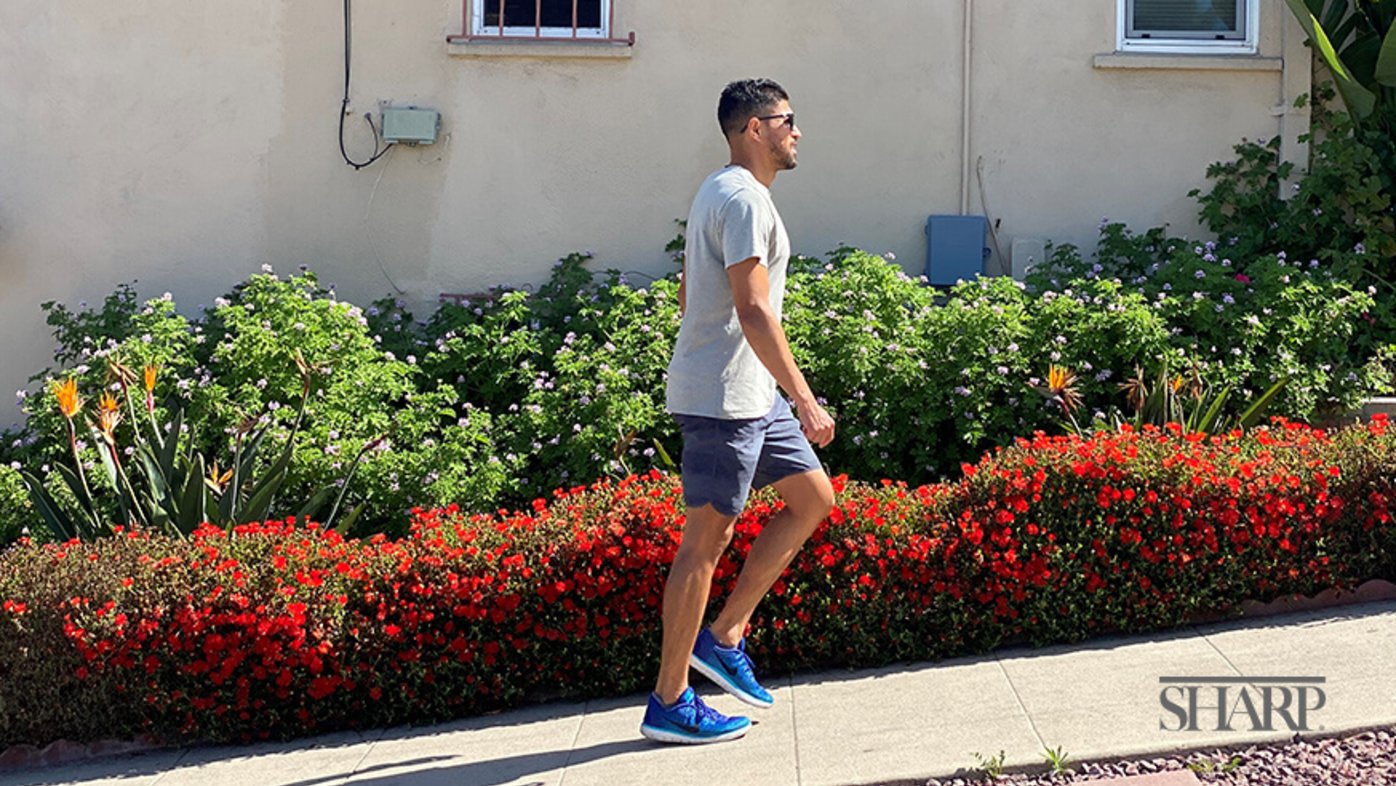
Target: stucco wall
x: 184, y: 145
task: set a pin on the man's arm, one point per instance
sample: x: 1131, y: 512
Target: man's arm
x: 751, y: 295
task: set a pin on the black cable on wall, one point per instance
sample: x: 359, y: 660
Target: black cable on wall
x: 378, y: 148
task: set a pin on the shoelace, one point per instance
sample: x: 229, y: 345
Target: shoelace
x: 704, y: 712
x: 744, y: 664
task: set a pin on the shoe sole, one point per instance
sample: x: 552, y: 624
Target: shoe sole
x: 721, y: 681
x: 662, y: 735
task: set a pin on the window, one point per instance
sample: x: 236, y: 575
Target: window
x: 541, y: 19
x: 1188, y: 26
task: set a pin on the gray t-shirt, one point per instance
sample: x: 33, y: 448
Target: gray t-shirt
x: 714, y: 372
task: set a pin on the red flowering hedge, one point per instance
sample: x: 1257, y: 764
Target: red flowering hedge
x: 276, y: 629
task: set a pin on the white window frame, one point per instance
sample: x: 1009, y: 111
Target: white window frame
x: 1188, y: 46
x: 478, y: 28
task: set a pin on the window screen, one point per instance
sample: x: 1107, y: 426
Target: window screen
x: 1187, y: 19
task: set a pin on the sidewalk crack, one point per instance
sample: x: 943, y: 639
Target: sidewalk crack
x: 1223, y: 656
x: 1217, y: 650
x: 183, y: 752
x: 573, y: 747
x: 795, y: 732
x: 1019, y: 699
x: 364, y: 757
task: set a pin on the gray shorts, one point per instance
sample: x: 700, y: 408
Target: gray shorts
x: 724, y: 459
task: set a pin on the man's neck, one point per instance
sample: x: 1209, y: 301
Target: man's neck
x: 763, y: 171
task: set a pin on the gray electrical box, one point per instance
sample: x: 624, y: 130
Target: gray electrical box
x: 410, y: 126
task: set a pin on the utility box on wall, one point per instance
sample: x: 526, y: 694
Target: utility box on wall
x: 955, y: 248
x: 410, y: 125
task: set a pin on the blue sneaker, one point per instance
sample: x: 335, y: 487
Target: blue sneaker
x: 689, y: 720
x: 730, y: 668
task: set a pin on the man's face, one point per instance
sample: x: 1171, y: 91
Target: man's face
x: 778, y: 129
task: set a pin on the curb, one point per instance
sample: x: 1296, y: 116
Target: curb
x: 25, y: 756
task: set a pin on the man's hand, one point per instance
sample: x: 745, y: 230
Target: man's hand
x: 817, y: 424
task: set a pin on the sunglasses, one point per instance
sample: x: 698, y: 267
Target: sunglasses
x: 788, y: 117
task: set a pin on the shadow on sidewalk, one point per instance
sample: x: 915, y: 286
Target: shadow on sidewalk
x: 481, y: 773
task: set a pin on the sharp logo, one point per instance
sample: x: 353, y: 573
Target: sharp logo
x: 1239, y: 703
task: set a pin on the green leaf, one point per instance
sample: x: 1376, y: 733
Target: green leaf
x: 1360, y: 101
x: 159, y: 484
x: 105, y: 456
x: 348, y: 522
x: 260, y: 500
x: 1334, y: 15
x: 167, y: 449
x: 1386, y: 61
x: 190, y: 512
x: 79, y: 490
x: 664, y: 456
x: 58, y: 522
x: 315, y: 504
x: 1209, y: 420
x: 1253, y: 413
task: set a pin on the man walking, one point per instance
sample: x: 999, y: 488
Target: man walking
x: 738, y: 433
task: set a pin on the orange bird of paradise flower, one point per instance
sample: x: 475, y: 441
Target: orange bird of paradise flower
x: 1060, y: 383
x: 69, y: 403
x: 108, y: 417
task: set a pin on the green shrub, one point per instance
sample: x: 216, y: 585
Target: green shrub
x: 919, y: 387
x: 1339, y: 212
x: 1280, y: 319
x: 496, y: 401
x: 18, y: 519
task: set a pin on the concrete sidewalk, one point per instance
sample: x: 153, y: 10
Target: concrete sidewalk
x: 1099, y: 699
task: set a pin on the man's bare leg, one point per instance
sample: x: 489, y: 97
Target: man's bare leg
x: 808, y: 497
x: 706, y: 533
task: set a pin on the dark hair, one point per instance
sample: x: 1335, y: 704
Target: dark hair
x: 745, y: 99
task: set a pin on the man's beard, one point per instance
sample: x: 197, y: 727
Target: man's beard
x: 785, y: 159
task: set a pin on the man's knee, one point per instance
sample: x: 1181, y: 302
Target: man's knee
x: 821, y: 502
x: 706, y: 534
x: 809, y: 496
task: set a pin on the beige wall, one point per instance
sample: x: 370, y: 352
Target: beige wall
x: 185, y: 144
